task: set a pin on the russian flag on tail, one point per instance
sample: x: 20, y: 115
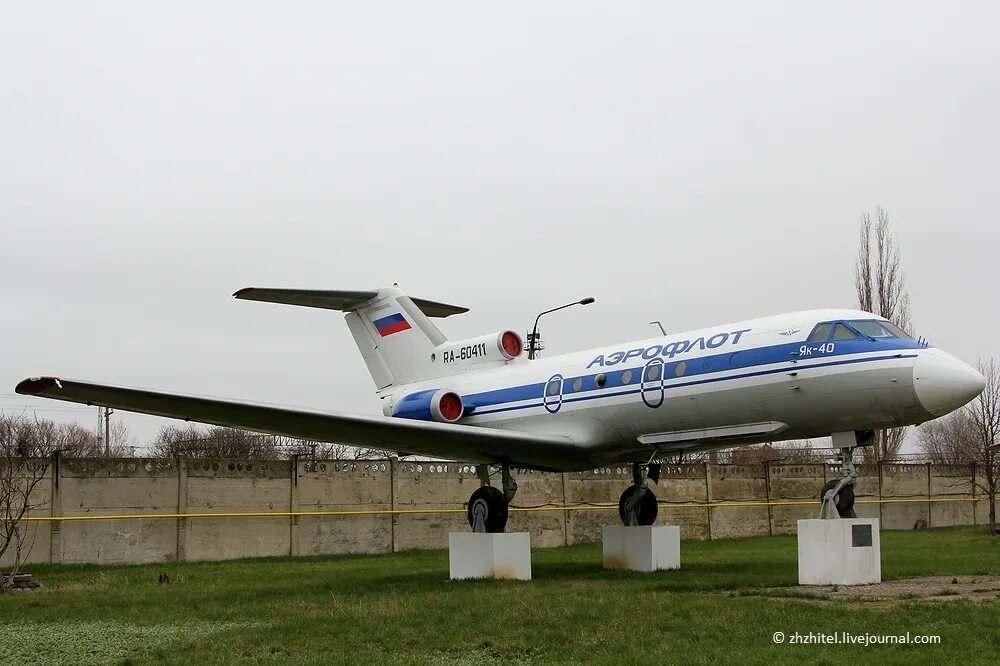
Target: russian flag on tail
x: 391, y: 324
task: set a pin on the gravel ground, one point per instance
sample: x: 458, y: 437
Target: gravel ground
x: 930, y: 588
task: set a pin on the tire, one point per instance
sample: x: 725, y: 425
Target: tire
x: 496, y: 508
x: 843, y: 499
x: 647, y: 506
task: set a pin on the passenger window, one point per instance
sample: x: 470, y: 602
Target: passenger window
x: 843, y: 333
x: 820, y: 333
x: 872, y: 329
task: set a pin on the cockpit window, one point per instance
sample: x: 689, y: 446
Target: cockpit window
x: 879, y: 329
x: 897, y: 331
x: 820, y: 333
x: 843, y: 333
x: 872, y: 329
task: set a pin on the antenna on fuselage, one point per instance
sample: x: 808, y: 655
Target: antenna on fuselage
x: 657, y: 322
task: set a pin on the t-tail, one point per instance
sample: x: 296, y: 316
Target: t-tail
x: 395, y: 335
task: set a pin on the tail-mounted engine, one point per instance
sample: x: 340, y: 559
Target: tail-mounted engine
x: 433, y: 405
x: 502, y: 346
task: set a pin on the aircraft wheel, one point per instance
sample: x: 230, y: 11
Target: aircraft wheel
x: 843, y: 499
x: 496, y: 508
x: 647, y: 506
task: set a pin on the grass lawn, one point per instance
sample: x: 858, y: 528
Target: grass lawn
x: 401, y: 608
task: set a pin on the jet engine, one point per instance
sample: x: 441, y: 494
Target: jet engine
x: 500, y: 346
x: 434, y: 405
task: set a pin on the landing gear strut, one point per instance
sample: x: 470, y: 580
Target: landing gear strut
x: 837, y: 495
x: 637, y: 505
x: 488, y: 506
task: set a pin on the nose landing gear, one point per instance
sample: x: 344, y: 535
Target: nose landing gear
x: 837, y: 495
x: 488, y: 506
x: 637, y: 505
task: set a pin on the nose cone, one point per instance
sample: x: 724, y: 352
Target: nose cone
x: 943, y: 383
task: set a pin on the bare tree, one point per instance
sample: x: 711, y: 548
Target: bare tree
x: 791, y: 453
x: 74, y: 439
x: 24, y: 459
x: 194, y: 441
x: 985, y: 415
x: 881, y: 290
x: 332, y: 451
x: 952, y: 440
x: 172, y: 441
x: 122, y: 442
x: 79, y: 442
x: 690, y: 457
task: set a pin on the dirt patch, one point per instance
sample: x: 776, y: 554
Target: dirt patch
x: 614, y: 562
x: 927, y: 588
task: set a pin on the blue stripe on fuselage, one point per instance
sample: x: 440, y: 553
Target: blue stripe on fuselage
x: 484, y: 402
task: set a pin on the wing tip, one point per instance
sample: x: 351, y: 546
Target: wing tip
x: 37, y: 385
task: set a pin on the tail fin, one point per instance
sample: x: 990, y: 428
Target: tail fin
x: 393, y: 331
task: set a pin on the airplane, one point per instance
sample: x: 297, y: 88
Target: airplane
x: 816, y: 373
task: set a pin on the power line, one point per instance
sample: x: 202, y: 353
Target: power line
x: 21, y: 408
x: 28, y: 405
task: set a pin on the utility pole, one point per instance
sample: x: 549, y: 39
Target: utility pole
x: 100, y: 419
x: 107, y: 431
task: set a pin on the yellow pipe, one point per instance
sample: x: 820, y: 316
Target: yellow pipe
x: 397, y: 512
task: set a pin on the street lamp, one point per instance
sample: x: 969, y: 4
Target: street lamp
x: 533, y: 336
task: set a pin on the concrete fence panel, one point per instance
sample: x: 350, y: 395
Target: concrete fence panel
x: 866, y: 491
x: 352, y: 485
x: 431, y: 487
x: 599, y: 488
x: 950, y: 484
x: 109, y: 486
x: 237, y: 486
x: 793, y: 483
x: 684, y: 485
x: 739, y: 484
x: 537, y: 490
x: 905, y: 482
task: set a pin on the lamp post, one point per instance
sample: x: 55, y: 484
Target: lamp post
x: 533, y: 336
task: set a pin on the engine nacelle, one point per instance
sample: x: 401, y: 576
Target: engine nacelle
x: 500, y: 346
x: 433, y: 405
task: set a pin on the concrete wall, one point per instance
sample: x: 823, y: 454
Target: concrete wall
x: 102, y: 486
x: 416, y: 504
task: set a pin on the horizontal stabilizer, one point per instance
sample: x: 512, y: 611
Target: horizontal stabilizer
x: 347, y: 301
x: 428, y: 438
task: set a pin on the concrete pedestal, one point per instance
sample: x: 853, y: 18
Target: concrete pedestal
x: 845, y: 551
x: 642, y: 548
x: 480, y: 555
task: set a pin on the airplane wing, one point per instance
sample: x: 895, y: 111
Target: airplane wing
x: 439, y: 440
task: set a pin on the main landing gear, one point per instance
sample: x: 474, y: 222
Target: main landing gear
x: 637, y: 505
x: 837, y: 495
x: 487, y: 510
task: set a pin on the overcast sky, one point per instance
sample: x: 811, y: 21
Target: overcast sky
x: 696, y: 163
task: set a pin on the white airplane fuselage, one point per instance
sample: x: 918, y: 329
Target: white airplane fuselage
x: 768, y: 379
x: 804, y: 374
